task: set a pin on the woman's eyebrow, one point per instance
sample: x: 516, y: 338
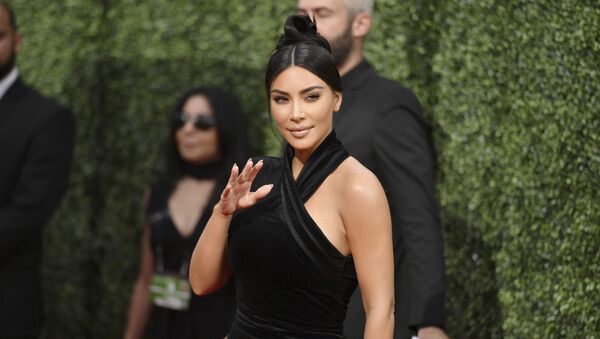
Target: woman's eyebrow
x: 306, y: 90
x: 279, y: 91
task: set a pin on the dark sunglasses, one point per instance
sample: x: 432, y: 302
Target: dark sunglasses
x: 201, y: 122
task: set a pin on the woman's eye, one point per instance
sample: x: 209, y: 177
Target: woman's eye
x: 280, y: 99
x: 313, y: 97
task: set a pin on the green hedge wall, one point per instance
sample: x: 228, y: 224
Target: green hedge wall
x: 519, y: 111
x: 120, y: 65
x: 509, y: 89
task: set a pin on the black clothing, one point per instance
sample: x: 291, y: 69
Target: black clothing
x: 381, y: 124
x: 204, y: 171
x: 291, y: 282
x: 210, y: 316
x: 36, y: 148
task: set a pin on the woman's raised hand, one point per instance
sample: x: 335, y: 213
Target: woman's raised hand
x: 237, y: 195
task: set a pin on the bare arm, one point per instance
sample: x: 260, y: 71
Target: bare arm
x: 139, y: 308
x: 406, y: 169
x: 368, y: 225
x: 209, y: 267
x: 431, y: 332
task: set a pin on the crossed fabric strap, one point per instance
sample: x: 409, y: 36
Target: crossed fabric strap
x: 313, y: 248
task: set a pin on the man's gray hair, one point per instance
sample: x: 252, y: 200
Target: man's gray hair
x: 360, y: 6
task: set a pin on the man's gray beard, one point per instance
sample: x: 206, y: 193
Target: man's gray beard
x: 8, y: 66
x: 341, y: 46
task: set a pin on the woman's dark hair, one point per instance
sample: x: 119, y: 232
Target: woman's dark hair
x: 233, y: 141
x: 301, y: 45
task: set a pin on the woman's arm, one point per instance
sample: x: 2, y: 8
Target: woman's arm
x: 368, y: 225
x: 209, y: 267
x: 139, y: 308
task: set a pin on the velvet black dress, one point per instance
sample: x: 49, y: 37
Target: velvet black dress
x: 209, y: 317
x: 291, y: 282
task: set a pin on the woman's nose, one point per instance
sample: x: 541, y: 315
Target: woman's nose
x: 298, y: 113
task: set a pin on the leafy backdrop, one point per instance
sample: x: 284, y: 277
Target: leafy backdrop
x: 509, y: 89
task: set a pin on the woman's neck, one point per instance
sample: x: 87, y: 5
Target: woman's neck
x: 301, y: 157
x: 204, y: 171
x: 297, y: 166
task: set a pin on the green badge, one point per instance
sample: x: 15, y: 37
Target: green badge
x: 170, y: 291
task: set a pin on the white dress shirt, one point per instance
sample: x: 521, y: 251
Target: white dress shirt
x: 8, y: 81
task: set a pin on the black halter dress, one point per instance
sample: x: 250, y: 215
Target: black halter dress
x: 291, y: 282
x: 210, y: 316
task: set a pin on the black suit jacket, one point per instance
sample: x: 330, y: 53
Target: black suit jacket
x: 36, y: 146
x: 381, y: 124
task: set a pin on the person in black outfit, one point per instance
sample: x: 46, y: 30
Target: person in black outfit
x: 207, y: 137
x: 381, y: 124
x: 36, y: 148
x: 307, y: 227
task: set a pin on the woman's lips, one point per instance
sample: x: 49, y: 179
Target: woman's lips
x: 190, y: 143
x: 299, y: 132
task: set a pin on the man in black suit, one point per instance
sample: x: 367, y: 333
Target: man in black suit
x: 36, y: 146
x: 381, y: 124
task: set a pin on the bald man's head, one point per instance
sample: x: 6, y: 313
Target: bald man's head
x: 10, y: 40
x: 11, y: 14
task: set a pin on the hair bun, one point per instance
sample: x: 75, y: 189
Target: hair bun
x: 301, y: 29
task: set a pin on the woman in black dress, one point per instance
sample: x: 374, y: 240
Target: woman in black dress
x: 298, y: 233
x: 207, y: 137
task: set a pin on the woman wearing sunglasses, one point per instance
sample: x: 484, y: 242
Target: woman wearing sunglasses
x: 207, y: 136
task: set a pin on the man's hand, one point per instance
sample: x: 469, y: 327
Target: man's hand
x: 432, y: 333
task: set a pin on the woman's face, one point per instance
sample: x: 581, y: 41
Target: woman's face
x: 302, y: 105
x: 198, y: 145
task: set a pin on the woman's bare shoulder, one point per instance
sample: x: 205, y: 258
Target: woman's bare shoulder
x: 357, y: 182
x: 361, y: 198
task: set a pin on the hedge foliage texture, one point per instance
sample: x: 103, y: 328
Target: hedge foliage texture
x: 510, y: 89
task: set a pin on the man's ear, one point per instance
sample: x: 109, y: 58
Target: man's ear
x: 361, y: 25
x: 18, y: 41
x: 338, y: 101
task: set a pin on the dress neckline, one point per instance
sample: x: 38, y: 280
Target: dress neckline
x: 204, y: 213
x: 320, y: 164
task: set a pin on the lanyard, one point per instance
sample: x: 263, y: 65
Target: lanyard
x: 160, y: 266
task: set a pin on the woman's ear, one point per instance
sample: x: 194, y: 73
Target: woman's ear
x: 338, y: 101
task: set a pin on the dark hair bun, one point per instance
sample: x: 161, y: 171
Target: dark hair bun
x: 300, y: 29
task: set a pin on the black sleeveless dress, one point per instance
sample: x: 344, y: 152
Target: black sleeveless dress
x: 291, y: 282
x: 209, y: 317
